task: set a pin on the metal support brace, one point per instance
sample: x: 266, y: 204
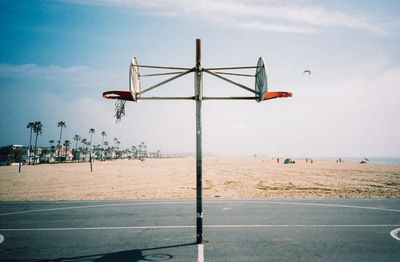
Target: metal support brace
x: 230, y: 81
x: 165, y: 81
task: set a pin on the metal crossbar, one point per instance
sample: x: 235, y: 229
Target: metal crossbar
x: 231, y: 68
x: 167, y: 98
x: 230, y: 81
x: 229, y: 97
x: 162, y: 74
x: 166, y: 81
x: 163, y: 67
x: 194, y: 98
x: 233, y: 74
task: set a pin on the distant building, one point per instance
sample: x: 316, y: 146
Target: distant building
x: 12, y: 154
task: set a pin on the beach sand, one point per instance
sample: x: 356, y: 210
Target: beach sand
x: 176, y: 178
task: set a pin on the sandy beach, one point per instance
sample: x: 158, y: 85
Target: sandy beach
x: 222, y: 178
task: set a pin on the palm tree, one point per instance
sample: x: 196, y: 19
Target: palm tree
x: 106, y: 144
x: 76, y: 138
x: 30, y: 125
x: 115, y: 144
x: 144, y: 149
x: 43, y: 155
x: 84, y: 141
x: 37, y: 129
x: 140, y: 151
x: 67, y: 143
x: 60, y: 124
x: 134, y: 151
x: 91, y: 132
x: 112, y: 152
x: 103, y: 135
x: 52, y: 150
x: 119, y: 152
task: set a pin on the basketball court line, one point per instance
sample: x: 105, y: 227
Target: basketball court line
x: 91, y: 206
x: 394, y: 233
x: 187, y: 226
x: 208, y: 202
x: 200, y: 253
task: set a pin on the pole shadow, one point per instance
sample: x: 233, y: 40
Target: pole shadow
x: 137, y: 254
x: 133, y: 255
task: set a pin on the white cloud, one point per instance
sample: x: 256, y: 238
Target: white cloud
x: 281, y: 16
x: 33, y: 76
x: 33, y: 71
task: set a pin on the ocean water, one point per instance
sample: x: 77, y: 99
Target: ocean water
x: 375, y: 160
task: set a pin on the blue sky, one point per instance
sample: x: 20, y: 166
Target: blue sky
x: 57, y: 57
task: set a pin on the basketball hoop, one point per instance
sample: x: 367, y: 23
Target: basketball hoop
x: 272, y: 95
x: 120, y: 95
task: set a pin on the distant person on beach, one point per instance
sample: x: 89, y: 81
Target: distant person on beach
x: 277, y: 160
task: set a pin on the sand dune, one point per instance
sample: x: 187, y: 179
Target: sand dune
x: 222, y: 177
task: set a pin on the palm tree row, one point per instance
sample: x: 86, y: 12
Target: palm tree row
x: 37, y: 129
x: 102, y: 150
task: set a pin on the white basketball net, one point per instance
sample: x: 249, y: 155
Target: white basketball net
x: 119, y: 110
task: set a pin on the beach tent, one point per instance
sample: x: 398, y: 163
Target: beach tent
x: 287, y: 161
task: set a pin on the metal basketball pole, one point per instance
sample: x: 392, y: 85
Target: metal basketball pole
x: 198, y: 90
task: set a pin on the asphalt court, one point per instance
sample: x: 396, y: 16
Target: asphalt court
x: 237, y: 230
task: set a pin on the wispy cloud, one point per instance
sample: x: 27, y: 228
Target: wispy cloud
x: 55, y: 76
x: 33, y: 71
x: 280, y: 16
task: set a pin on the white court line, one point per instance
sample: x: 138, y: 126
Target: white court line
x: 283, y: 226
x: 306, y: 204
x: 92, y: 228
x: 180, y: 227
x: 92, y: 206
x: 337, y: 205
x: 394, y: 233
x: 200, y: 253
x: 207, y: 202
